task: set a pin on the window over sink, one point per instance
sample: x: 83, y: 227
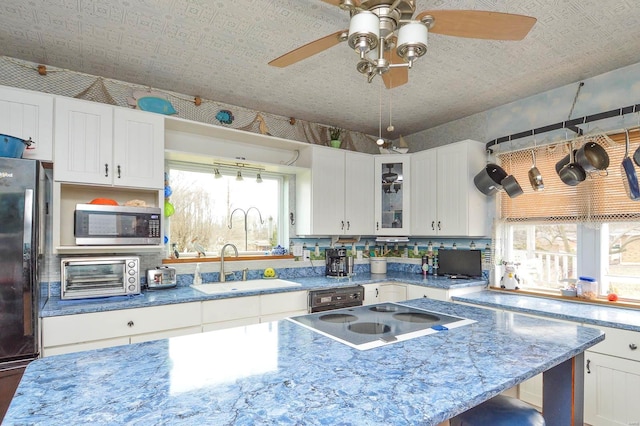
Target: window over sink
x: 213, y: 205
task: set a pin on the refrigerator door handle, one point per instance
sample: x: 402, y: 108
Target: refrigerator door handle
x: 27, y: 261
x: 28, y: 222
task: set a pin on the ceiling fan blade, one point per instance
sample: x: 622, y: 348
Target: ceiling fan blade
x: 395, y: 76
x: 480, y: 24
x: 356, y: 3
x: 308, y: 50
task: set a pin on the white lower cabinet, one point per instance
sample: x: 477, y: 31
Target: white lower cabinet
x: 277, y: 306
x: 239, y: 311
x: 612, y: 379
x: 232, y: 312
x: 417, y: 292
x: 72, y: 333
x: 384, y: 292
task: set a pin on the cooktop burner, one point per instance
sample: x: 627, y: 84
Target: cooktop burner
x: 367, y: 327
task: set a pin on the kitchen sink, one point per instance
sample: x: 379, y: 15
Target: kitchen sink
x: 239, y: 286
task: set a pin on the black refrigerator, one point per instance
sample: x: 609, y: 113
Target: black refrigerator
x: 20, y: 192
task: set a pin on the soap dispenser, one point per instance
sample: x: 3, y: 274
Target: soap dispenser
x: 197, y: 278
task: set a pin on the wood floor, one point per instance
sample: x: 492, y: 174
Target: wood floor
x: 9, y: 380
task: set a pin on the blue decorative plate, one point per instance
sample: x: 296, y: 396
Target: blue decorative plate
x: 153, y: 104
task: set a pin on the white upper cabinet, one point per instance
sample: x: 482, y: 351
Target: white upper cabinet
x: 28, y: 115
x: 100, y: 144
x: 138, y: 149
x: 392, y: 194
x: 334, y: 195
x: 444, y: 199
x: 359, y: 182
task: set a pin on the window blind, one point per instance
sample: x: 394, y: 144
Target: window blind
x: 600, y: 198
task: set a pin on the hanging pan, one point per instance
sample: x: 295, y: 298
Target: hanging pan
x: 535, y: 177
x: 572, y: 173
x: 629, y: 178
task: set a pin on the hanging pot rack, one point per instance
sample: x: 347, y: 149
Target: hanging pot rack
x: 568, y: 124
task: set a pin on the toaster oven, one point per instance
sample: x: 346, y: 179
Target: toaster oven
x: 88, y: 277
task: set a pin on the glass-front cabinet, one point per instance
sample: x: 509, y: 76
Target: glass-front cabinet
x: 392, y: 195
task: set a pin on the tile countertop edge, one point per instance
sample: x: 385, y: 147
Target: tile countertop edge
x: 589, y: 314
x: 185, y: 294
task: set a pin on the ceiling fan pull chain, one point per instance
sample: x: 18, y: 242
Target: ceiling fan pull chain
x: 390, y: 128
x: 380, y: 141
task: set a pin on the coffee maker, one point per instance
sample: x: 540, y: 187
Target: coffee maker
x: 338, y: 264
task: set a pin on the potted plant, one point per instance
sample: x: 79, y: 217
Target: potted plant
x: 334, y: 134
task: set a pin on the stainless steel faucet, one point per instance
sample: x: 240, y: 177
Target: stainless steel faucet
x: 223, y: 277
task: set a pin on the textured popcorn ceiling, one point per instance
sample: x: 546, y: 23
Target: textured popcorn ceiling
x: 219, y: 50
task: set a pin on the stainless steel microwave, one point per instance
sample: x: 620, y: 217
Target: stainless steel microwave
x: 97, y: 224
x: 87, y: 277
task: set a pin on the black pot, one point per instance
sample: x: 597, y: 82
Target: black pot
x: 489, y: 180
x: 592, y: 157
x: 571, y: 173
x: 511, y: 186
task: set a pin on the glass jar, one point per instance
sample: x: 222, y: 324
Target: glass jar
x: 587, y: 288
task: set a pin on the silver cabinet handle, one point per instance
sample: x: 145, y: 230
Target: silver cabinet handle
x: 633, y: 346
x: 106, y: 170
x: 342, y: 225
x: 588, y: 366
x: 119, y: 176
x: 348, y: 225
x: 433, y: 225
x: 439, y: 228
x: 377, y: 226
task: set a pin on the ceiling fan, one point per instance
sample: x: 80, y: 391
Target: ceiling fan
x: 388, y: 39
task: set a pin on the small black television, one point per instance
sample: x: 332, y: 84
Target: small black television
x: 460, y: 263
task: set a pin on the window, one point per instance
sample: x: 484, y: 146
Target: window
x: 214, y: 209
x: 546, y: 254
x: 563, y: 232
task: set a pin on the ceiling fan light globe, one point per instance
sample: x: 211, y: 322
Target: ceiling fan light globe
x: 380, y: 142
x: 413, y: 40
x: 364, y: 31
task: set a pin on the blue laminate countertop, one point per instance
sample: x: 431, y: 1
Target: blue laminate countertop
x: 592, y: 314
x: 283, y: 373
x: 182, y: 294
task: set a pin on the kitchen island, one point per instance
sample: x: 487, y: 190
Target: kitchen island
x: 282, y: 373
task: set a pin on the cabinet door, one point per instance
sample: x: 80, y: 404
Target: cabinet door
x: 28, y: 115
x: 138, y: 149
x: 424, y: 205
x: 392, y: 293
x: 235, y: 308
x: 452, y: 190
x: 281, y: 305
x: 417, y: 292
x: 371, y: 294
x: 359, y: 187
x: 392, y: 195
x: 83, y: 142
x: 611, y: 390
x: 320, y: 193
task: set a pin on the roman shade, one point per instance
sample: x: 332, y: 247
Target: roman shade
x: 600, y: 198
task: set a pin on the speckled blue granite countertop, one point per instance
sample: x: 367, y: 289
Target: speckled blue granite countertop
x: 282, y: 373
x: 592, y: 314
x: 184, y: 293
